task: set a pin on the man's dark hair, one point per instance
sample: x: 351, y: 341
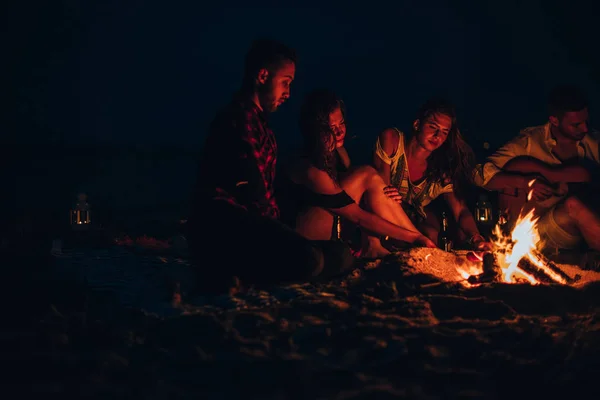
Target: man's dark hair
x: 268, y: 54
x: 566, y: 98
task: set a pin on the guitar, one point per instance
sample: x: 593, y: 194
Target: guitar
x: 562, y: 177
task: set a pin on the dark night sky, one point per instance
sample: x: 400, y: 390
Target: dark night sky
x: 155, y: 72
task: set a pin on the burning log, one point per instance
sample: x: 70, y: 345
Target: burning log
x: 527, y: 266
x: 490, y: 264
x: 544, y: 270
x: 491, y: 270
x: 552, y: 270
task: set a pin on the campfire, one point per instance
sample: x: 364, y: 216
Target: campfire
x: 516, y: 258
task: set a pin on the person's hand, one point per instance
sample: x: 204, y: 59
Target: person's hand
x: 480, y: 244
x: 539, y: 190
x: 475, y: 256
x: 424, y: 241
x: 392, y: 192
x: 480, y: 247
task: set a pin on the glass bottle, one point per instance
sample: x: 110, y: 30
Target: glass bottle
x: 444, y: 239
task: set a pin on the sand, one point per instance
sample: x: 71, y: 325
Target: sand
x: 400, y: 327
x: 446, y: 265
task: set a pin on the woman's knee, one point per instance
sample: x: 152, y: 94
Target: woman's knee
x: 373, y: 181
x: 363, y: 173
x: 370, y: 174
x: 357, y: 182
x: 365, y: 170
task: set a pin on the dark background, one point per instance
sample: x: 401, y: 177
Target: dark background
x: 113, y: 97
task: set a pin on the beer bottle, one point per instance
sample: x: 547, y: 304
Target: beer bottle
x: 444, y: 240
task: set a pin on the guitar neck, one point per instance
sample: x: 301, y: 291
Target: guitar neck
x: 553, y: 173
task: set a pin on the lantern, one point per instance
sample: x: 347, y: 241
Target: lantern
x: 80, y: 214
x: 483, y: 210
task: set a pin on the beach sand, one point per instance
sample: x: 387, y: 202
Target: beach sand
x: 399, y: 327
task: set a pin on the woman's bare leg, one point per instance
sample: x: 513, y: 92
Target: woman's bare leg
x: 366, y: 186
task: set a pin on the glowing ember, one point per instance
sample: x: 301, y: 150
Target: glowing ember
x: 469, y: 271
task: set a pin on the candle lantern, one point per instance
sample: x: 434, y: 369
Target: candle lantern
x: 80, y: 215
x: 483, y: 210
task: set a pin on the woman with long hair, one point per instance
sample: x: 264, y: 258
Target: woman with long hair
x: 434, y: 160
x: 320, y: 191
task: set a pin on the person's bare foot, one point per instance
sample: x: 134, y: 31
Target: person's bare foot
x: 372, y: 253
x: 373, y: 248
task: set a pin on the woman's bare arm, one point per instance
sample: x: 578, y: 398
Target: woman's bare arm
x: 388, y: 139
x: 466, y: 221
x: 462, y: 215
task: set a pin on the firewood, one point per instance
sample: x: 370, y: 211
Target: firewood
x: 526, y: 265
x: 490, y: 264
x: 485, y: 277
x: 553, y: 267
x: 491, y: 270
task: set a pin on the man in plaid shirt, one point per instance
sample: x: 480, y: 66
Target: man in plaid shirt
x: 243, y: 147
x: 234, y: 224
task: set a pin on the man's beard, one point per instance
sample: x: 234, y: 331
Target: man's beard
x: 266, y: 97
x: 577, y: 136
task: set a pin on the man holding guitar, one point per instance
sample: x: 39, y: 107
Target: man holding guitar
x: 551, y: 168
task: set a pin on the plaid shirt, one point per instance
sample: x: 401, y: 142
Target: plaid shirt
x: 238, y: 164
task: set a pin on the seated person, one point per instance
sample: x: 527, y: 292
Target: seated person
x: 433, y: 161
x: 319, y: 191
x: 234, y: 227
x: 549, y: 169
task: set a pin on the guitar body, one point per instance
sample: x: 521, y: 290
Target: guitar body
x: 515, y: 201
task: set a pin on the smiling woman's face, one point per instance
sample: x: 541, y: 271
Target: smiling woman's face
x: 337, y: 123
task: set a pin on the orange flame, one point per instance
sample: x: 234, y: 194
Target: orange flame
x: 521, y: 243
x: 523, y: 239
